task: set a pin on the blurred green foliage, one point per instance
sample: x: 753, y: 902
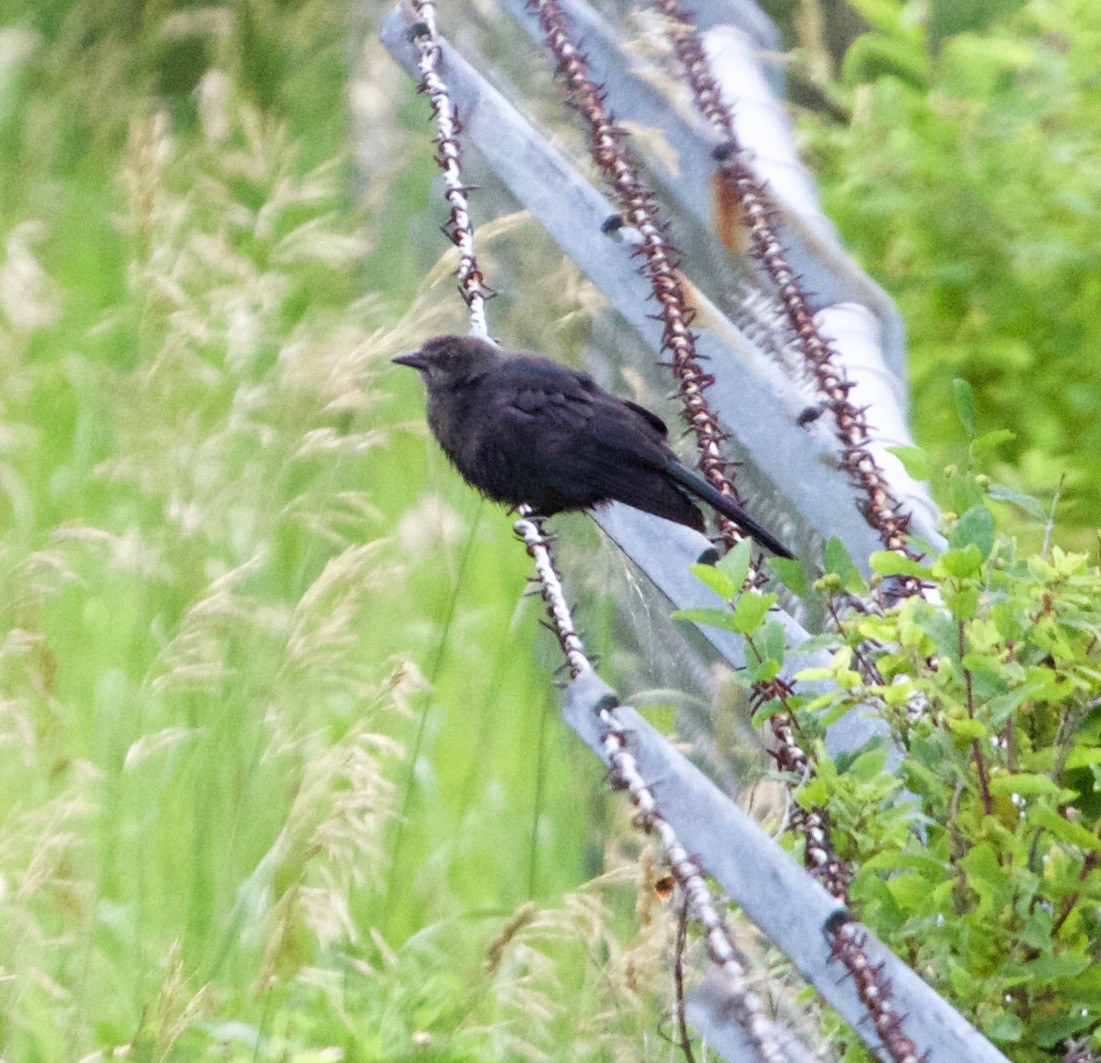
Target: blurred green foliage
x: 968, y: 182
x: 238, y: 590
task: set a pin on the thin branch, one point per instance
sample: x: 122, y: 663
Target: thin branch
x: 678, y: 982
x: 976, y: 746
x: 1093, y: 858
x: 1050, y: 526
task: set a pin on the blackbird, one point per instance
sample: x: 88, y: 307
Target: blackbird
x: 525, y: 430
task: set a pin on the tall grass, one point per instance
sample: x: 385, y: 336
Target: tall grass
x: 238, y: 590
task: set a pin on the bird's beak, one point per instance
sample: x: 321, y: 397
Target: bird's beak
x: 413, y: 359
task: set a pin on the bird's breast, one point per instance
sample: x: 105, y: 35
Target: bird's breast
x: 468, y: 435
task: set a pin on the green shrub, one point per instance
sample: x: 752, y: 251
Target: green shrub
x: 974, y: 833
x: 968, y: 181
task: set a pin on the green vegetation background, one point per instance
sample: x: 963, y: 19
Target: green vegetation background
x: 241, y: 594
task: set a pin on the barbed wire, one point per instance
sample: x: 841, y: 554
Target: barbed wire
x: 609, y: 147
x: 608, y: 143
x: 882, y: 511
x: 459, y: 228
x: 623, y: 774
x: 880, y: 508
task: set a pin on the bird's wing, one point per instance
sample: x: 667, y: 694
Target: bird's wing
x: 538, y: 387
x: 652, y: 419
x: 578, y: 430
x: 545, y: 394
x: 560, y: 406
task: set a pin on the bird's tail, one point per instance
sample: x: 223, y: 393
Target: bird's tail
x: 694, y: 485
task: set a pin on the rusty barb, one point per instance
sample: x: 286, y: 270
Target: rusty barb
x: 847, y: 942
x: 878, y: 506
x: 624, y: 775
x: 459, y: 228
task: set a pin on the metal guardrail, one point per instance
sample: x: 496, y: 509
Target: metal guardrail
x: 757, y: 403
x: 789, y: 907
x: 760, y: 406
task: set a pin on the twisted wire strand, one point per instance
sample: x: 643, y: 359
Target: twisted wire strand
x: 747, y: 1007
x: 608, y: 144
x: 624, y: 774
x: 459, y: 228
x: 883, y: 512
x: 660, y: 258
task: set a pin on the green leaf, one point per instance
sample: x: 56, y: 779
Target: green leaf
x: 718, y: 581
x: 962, y: 603
x: 769, y: 709
x: 873, y: 56
x: 881, y: 13
x: 1066, y: 830
x: 1027, y: 784
x: 751, y: 609
x: 961, y: 563
x: 771, y: 641
x: 1011, y: 496
x: 1052, y: 1031
x: 929, y: 867
x: 914, y: 460
x: 1036, y: 933
x: 790, y: 573
x: 723, y: 618
x: 1083, y: 757
x: 890, y: 563
x: 977, y: 662
x: 735, y: 564
x: 943, y: 630
x: 976, y: 527
x: 764, y: 672
x: 869, y: 764
x: 990, y: 441
x: 965, y: 491
x: 1002, y: 707
x: 836, y: 559
x: 965, y: 727
x: 965, y: 405
x: 765, y: 653
x: 1046, y: 969
x: 949, y: 17
x: 1005, y: 1026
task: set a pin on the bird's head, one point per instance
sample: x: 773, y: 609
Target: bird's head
x: 446, y: 361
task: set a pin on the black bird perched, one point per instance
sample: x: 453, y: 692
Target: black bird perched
x: 523, y: 429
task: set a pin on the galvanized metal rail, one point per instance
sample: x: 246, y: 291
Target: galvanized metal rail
x: 682, y: 807
x: 755, y: 400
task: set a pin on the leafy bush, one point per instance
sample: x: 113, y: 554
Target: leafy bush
x: 977, y: 854
x: 967, y: 181
x: 975, y: 831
